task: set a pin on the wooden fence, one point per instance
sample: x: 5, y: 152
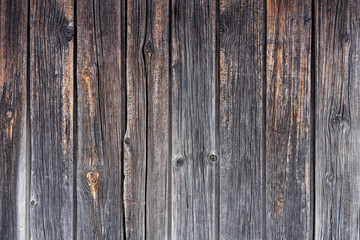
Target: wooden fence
x: 179, y: 119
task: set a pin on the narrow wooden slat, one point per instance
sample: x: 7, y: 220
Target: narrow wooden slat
x: 156, y: 52
x: 101, y: 119
x: 242, y: 55
x: 337, y: 119
x: 194, y: 160
x: 51, y: 109
x: 288, y: 119
x: 135, y: 136
x: 13, y: 129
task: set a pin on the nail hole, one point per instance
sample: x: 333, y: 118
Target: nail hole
x: 33, y: 203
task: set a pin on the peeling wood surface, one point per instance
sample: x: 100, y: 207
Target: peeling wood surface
x: 155, y: 119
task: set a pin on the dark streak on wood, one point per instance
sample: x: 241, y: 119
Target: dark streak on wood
x: 242, y: 47
x: 194, y: 79
x: 13, y: 55
x: 101, y: 115
x: 51, y: 108
x: 337, y: 119
x: 288, y: 122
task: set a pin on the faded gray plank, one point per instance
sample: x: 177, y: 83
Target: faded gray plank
x: 156, y: 56
x: 51, y: 109
x: 135, y: 138
x: 337, y: 119
x: 242, y: 48
x: 194, y: 161
x: 13, y: 129
x: 101, y: 119
x: 288, y: 120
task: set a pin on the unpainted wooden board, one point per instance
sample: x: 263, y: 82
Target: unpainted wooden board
x: 100, y: 119
x: 13, y: 129
x: 194, y: 107
x: 242, y: 130
x: 135, y: 137
x: 337, y: 54
x: 156, y: 57
x: 51, y: 119
x: 288, y: 120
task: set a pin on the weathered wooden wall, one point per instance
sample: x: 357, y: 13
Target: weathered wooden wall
x: 157, y: 119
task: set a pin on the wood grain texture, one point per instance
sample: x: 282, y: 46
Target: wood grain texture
x: 195, y: 161
x: 51, y: 109
x: 13, y: 130
x: 242, y: 48
x: 337, y: 119
x: 288, y: 119
x: 156, y: 55
x: 135, y: 137
x: 101, y: 119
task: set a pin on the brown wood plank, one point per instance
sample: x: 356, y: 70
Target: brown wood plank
x: 337, y: 119
x: 242, y: 131
x: 156, y: 55
x: 195, y: 161
x: 51, y: 109
x: 101, y: 119
x: 135, y: 138
x: 288, y: 119
x: 13, y: 129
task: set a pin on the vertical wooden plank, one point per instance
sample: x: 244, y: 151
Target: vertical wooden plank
x: 13, y: 129
x: 242, y: 56
x: 156, y: 52
x: 195, y: 164
x: 337, y: 119
x: 51, y: 109
x: 288, y: 119
x: 135, y: 137
x: 100, y: 119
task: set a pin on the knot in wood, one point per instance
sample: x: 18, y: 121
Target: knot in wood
x: 68, y: 33
x: 127, y: 140
x: 92, y: 178
x: 345, y: 37
x: 330, y: 178
x: 222, y: 28
x: 213, y: 157
x: 179, y: 162
x: 148, y: 47
x: 9, y: 114
x: 338, y: 121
